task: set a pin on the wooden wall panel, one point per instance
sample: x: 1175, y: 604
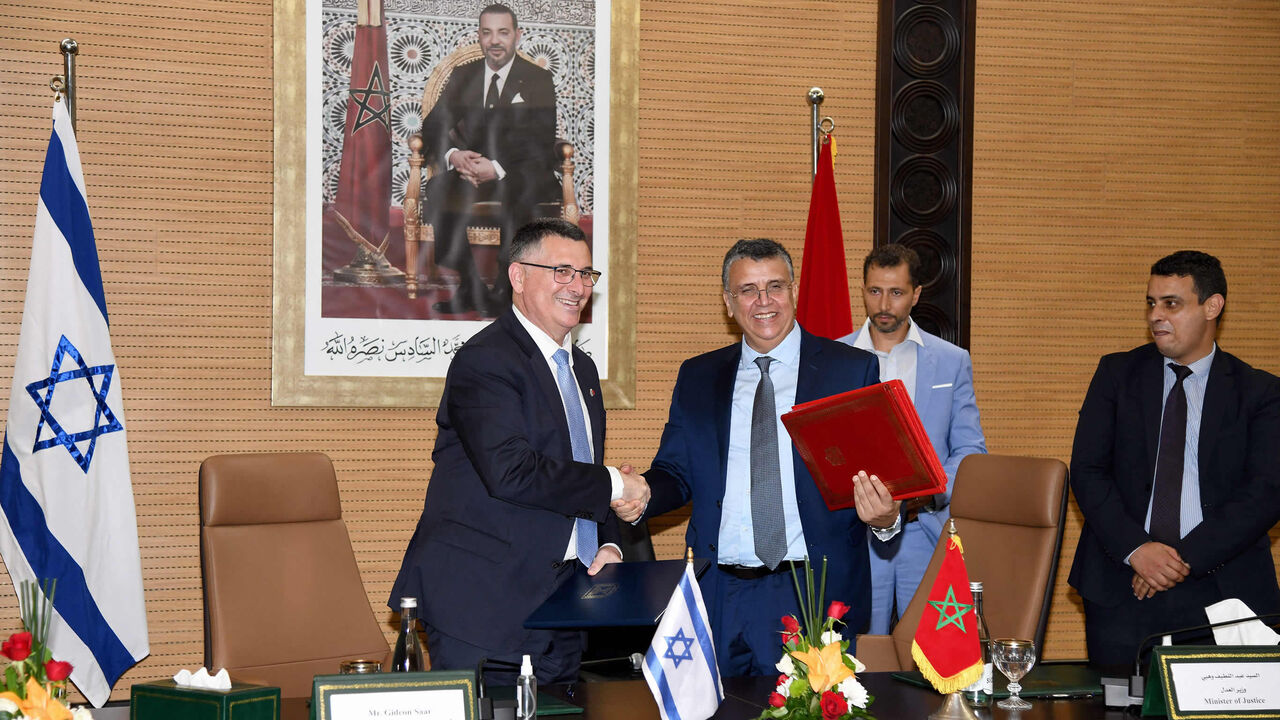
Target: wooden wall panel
x: 1105, y: 135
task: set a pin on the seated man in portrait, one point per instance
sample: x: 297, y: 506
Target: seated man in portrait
x: 492, y: 133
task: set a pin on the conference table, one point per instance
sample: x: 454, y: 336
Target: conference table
x: 745, y: 698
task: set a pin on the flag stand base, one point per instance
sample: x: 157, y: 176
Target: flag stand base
x: 954, y: 707
x: 369, y: 268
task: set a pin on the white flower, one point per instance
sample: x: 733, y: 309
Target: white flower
x: 81, y: 713
x: 831, y: 636
x: 784, y: 687
x: 786, y: 666
x: 857, y: 664
x: 853, y: 692
x: 9, y: 706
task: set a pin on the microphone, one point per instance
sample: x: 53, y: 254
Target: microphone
x: 1115, y: 690
x: 635, y: 659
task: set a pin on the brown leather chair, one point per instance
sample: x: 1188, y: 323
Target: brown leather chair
x: 283, y: 599
x: 1009, y: 514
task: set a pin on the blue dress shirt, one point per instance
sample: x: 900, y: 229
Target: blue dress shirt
x: 737, y: 539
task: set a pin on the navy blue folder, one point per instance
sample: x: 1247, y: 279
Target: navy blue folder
x: 621, y: 594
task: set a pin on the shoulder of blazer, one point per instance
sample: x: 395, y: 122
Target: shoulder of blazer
x: 938, y: 347
x: 714, y: 359
x: 507, y: 328
x: 468, y: 73
x: 523, y: 69
x: 1252, y: 381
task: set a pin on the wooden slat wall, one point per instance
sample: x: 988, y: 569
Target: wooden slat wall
x: 1105, y: 135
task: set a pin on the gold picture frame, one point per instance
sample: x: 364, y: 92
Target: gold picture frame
x: 290, y: 385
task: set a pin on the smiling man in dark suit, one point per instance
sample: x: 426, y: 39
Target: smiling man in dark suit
x: 519, y: 493
x: 492, y: 132
x: 756, y: 509
x: 1175, y: 469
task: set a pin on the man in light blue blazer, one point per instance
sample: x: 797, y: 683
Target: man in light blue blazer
x: 939, y: 379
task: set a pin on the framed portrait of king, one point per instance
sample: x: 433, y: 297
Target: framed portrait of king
x: 412, y: 139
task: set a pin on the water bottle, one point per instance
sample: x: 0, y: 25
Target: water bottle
x: 526, y: 691
x: 408, y: 654
x: 979, y: 693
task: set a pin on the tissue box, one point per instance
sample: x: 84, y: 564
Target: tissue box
x: 166, y: 700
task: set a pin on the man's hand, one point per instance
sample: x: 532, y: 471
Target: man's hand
x: 607, y: 554
x: 635, y: 495
x: 876, y: 506
x: 464, y: 161
x: 1158, y: 566
x: 1141, y: 589
x: 481, y: 171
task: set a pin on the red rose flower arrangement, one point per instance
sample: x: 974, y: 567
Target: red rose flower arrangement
x: 34, y: 683
x: 818, y: 680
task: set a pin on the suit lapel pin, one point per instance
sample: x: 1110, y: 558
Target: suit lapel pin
x: 592, y: 391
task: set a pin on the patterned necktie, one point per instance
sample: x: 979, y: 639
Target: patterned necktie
x: 767, y: 522
x: 587, y: 543
x: 491, y: 97
x: 1166, y: 498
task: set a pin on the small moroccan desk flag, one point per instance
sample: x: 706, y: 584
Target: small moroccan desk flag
x: 946, y: 644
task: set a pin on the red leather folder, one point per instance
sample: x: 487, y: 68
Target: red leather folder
x: 874, y: 428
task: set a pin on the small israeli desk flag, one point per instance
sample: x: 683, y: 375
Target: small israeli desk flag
x: 66, y: 500
x: 680, y: 665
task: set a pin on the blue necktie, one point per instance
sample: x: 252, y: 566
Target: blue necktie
x: 587, y: 542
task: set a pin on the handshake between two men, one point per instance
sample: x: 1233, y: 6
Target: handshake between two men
x: 875, y: 505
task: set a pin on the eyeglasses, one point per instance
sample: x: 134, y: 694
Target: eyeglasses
x: 564, y: 273
x: 753, y: 293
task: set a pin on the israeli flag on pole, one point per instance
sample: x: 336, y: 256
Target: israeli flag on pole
x: 66, y: 501
x: 680, y: 665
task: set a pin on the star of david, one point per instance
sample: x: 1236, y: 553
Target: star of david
x: 364, y: 98
x: 104, y: 421
x: 950, y: 612
x: 684, y: 652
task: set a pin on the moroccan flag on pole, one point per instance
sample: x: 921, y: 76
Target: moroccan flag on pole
x: 823, y: 307
x: 364, y: 176
x: 66, y: 501
x: 946, y: 644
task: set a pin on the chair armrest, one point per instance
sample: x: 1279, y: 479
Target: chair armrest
x: 878, y: 653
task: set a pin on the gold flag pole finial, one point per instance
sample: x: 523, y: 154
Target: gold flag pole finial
x: 688, y: 555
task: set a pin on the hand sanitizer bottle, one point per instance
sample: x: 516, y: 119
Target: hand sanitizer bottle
x: 526, y: 691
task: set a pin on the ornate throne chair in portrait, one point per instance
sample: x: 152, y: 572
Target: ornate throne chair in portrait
x: 484, y: 225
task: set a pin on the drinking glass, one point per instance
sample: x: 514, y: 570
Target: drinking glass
x: 1014, y: 659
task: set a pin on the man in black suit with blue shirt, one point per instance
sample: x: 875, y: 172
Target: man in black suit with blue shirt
x: 519, y: 494
x: 1174, y: 467
x: 492, y: 132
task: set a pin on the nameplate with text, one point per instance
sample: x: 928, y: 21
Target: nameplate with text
x: 439, y: 695
x: 1205, y: 682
